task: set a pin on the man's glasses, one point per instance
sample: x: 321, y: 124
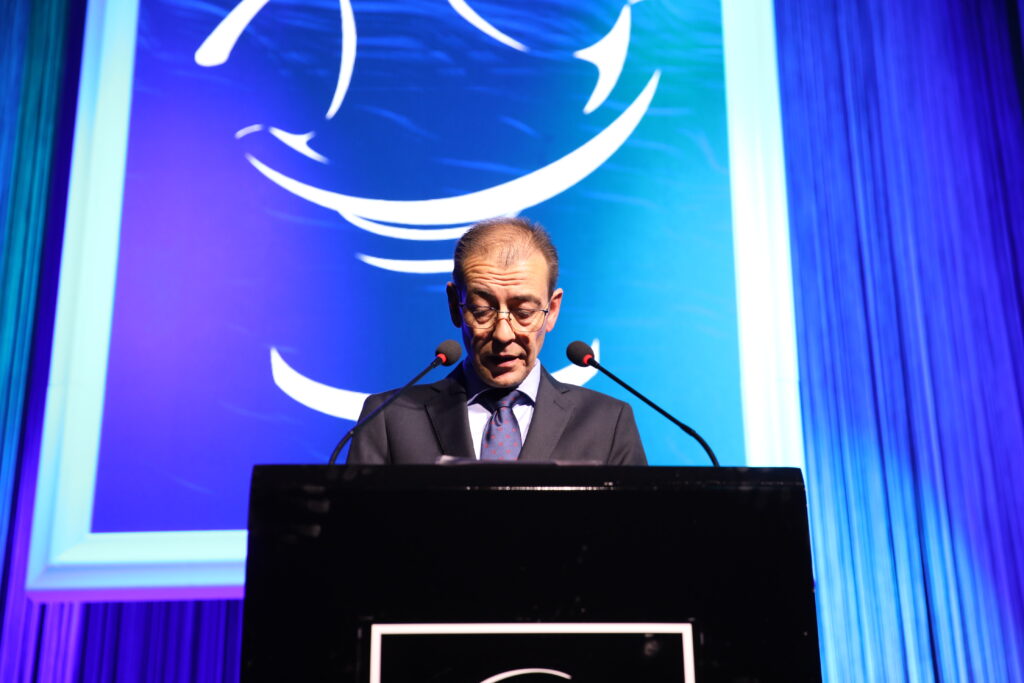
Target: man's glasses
x: 487, y: 317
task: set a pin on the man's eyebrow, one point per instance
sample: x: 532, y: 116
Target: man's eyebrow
x: 482, y: 293
x: 514, y: 299
x: 527, y: 298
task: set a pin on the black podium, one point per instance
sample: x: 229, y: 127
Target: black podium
x: 466, y: 573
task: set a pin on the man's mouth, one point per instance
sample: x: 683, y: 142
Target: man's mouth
x: 504, y: 361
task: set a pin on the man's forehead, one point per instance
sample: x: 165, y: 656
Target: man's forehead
x: 505, y: 264
x: 512, y: 289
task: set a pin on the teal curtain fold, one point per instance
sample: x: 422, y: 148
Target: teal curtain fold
x: 31, y: 63
x: 13, y: 31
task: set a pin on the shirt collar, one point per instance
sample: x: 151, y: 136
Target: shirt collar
x: 529, y: 386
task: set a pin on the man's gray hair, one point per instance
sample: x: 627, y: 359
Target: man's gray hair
x: 511, y: 239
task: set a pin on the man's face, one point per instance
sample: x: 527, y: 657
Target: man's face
x: 503, y: 355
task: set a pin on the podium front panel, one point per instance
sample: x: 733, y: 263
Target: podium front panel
x: 335, y: 551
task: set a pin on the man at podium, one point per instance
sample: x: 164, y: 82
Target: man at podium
x: 500, y: 404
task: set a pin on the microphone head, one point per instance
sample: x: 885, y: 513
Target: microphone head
x: 580, y: 353
x: 449, y: 352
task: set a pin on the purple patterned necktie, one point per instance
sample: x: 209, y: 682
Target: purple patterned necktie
x: 502, y: 439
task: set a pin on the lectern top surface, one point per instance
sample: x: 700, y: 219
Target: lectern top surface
x: 491, y: 476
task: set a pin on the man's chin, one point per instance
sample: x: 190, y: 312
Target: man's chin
x: 502, y: 378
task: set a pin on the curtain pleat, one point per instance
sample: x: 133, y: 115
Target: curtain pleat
x: 905, y: 161
x: 29, y: 83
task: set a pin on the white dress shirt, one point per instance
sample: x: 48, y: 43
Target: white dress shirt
x: 479, y: 415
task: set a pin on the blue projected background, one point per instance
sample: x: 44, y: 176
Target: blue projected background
x: 256, y: 285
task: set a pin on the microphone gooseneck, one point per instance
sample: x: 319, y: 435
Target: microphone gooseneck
x: 581, y: 354
x: 446, y: 353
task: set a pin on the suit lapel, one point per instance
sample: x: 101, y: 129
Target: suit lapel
x: 447, y: 413
x: 551, y: 413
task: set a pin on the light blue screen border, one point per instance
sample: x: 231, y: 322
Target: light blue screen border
x: 67, y: 560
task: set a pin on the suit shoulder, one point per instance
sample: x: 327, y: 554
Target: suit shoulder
x: 587, y: 396
x: 415, y: 395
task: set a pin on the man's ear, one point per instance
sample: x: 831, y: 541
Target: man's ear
x: 453, y: 304
x: 554, y: 306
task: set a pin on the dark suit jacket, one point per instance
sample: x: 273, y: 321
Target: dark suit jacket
x: 569, y: 423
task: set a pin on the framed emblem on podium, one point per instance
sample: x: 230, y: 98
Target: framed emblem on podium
x: 532, y: 652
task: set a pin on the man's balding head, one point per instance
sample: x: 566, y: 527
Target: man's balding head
x: 506, y: 241
x: 504, y: 297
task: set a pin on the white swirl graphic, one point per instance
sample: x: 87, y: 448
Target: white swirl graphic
x: 217, y: 47
x: 400, y: 233
x: 505, y: 199
x: 299, y: 142
x: 471, y: 15
x: 509, y: 197
x: 417, y: 266
x: 348, y: 57
x: 608, y: 55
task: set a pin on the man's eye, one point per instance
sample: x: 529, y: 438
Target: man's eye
x: 523, y: 314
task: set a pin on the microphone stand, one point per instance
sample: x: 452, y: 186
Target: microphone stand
x: 685, y: 428
x: 395, y: 394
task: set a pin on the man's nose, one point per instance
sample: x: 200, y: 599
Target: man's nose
x: 503, y: 329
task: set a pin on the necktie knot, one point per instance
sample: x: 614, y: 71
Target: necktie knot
x: 495, y: 399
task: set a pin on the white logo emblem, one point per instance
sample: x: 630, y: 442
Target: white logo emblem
x: 526, y: 672
x: 443, y: 217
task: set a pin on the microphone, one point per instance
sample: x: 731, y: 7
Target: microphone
x: 446, y: 353
x: 581, y: 354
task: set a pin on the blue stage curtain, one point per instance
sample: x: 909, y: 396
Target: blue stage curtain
x: 31, y: 61
x: 904, y: 139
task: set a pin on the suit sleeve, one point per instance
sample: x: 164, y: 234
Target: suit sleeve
x: 626, y: 446
x: 370, y: 444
